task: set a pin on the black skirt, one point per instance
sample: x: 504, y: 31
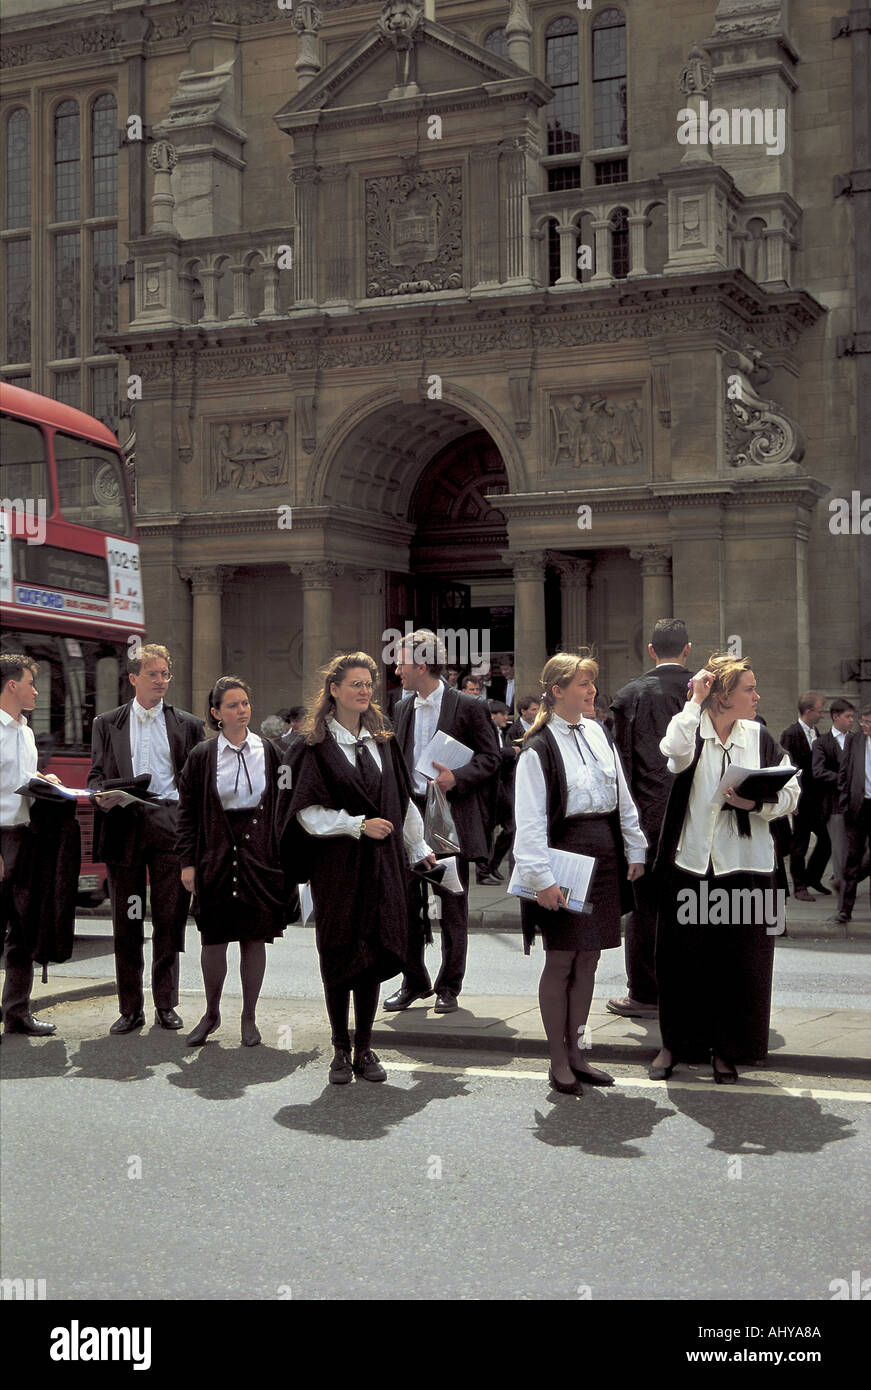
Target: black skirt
x: 246, y: 915
x: 599, y: 929
x: 714, y: 980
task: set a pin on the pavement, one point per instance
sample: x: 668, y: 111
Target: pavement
x: 835, y: 1042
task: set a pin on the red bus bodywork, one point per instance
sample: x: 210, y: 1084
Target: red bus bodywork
x: 70, y: 585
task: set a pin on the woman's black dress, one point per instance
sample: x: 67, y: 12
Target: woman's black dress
x: 241, y: 892
x: 359, y: 886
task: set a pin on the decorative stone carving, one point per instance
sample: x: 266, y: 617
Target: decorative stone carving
x: 655, y: 560
x: 317, y: 574
x: 248, y: 455
x: 72, y: 44
x: 307, y: 19
x: 698, y: 75
x: 414, y: 242
x: 662, y: 392
x: 400, y: 21
x: 306, y: 408
x: 759, y: 434
x: 205, y: 579
x: 597, y: 431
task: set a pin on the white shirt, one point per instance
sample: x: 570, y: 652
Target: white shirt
x: 709, y: 834
x: 427, y: 709
x: 840, y: 737
x: 592, y: 786
x: 809, y: 733
x: 231, y: 774
x: 867, y: 767
x: 320, y: 820
x: 18, y: 759
x: 149, y: 749
x: 509, y: 692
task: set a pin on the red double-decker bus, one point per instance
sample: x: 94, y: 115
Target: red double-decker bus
x: 70, y: 584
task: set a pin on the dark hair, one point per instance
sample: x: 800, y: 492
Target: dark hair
x: 526, y: 700
x: 471, y: 677
x: 670, y: 636
x: 283, y: 714
x: 841, y: 707
x: 808, y: 700
x: 216, y: 696
x: 296, y: 712
x: 497, y: 707
x: 13, y: 665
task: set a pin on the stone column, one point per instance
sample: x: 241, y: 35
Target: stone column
x: 334, y: 285
x: 485, y: 205
x: 317, y: 614
x: 306, y: 182
x: 602, y: 233
x: 530, y: 647
x: 207, y: 582
x: 568, y: 259
x: 512, y: 169
x: 574, y: 576
x: 306, y: 20
x: 637, y: 249
x: 370, y: 585
x: 656, y: 600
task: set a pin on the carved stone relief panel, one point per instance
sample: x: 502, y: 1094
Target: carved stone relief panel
x: 414, y: 232
x: 246, y: 455
x: 598, y: 428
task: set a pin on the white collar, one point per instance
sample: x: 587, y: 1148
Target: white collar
x: 738, y: 734
x: 7, y: 718
x: 343, y: 735
x: 807, y: 728
x: 253, y: 740
x: 433, y: 698
x: 565, y: 725
x: 152, y: 713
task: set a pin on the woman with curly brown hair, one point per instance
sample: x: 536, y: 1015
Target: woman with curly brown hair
x: 714, y: 949
x: 354, y: 821
x: 571, y: 794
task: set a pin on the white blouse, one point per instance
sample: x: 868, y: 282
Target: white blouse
x: 707, y: 836
x: 232, y: 784
x: 320, y: 820
x: 593, y: 779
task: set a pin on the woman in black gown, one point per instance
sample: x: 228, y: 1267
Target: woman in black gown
x: 354, y: 823
x: 714, y: 964
x: 228, y: 845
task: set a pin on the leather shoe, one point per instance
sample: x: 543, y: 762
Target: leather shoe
x: 127, y: 1022
x: 570, y: 1088
x: 660, y: 1073
x: 367, y: 1065
x: 593, y: 1078
x: 631, y: 1008
x: 485, y: 880
x: 818, y: 888
x: 803, y: 896
x: 26, y: 1023
x: 403, y: 997
x: 341, y: 1071
x: 168, y: 1018
x: 494, y: 873
x: 841, y: 918
x: 446, y: 1002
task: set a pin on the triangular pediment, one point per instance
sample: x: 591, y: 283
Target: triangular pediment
x: 446, y: 66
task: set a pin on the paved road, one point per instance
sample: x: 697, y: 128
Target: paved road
x: 136, y: 1169
x: 827, y: 974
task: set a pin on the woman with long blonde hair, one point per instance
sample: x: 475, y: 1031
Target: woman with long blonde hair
x: 715, y: 951
x: 571, y: 794
x: 353, y: 823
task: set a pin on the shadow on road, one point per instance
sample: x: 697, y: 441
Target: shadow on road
x: 764, y: 1125
x: 32, y: 1059
x: 600, y: 1124
x: 219, y: 1073
x: 367, y: 1110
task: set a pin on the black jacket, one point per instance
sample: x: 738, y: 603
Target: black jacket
x: 643, y: 710
x: 472, y: 799
x: 826, y: 761
x: 118, y: 833
x: 851, y: 776
x: 793, y: 741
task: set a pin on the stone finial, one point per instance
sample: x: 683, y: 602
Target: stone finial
x: 306, y: 20
x: 162, y: 158
x: 518, y: 31
x: 401, y: 21
x: 698, y: 75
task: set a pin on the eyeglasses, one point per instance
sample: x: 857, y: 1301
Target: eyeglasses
x: 361, y: 685
x: 160, y: 676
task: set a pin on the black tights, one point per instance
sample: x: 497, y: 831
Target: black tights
x: 365, y: 990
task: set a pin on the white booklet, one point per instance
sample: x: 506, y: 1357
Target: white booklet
x: 445, y: 750
x: 573, y: 873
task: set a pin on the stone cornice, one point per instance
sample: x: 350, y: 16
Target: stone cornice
x: 803, y: 491
x: 362, y: 529
x: 688, y: 308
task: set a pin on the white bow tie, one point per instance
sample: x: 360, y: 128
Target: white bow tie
x: 423, y: 702
x: 146, y: 716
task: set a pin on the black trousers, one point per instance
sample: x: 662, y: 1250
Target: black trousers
x: 858, y: 844
x: 803, y: 823
x: 640, y: 941
x: 454, y: 927
x: 169, y: 909
x: 16, y: 928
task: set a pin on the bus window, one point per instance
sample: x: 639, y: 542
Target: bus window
x: 90, y: 485
x: 23, y: 472
x: 77, y: 679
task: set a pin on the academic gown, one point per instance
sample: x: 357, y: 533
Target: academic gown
x: 359, y: 886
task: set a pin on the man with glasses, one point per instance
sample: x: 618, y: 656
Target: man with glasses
x: 146, y: 736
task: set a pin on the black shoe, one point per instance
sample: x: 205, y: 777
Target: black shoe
x: 486, y: 880
x: 168, y: 1018
x: 367, y: 1065
x: 205, y: 1026
x: 818, y: 888
x: 724, y: 1078
x: 446, y: 1002
x: 841, y: 918
x: 570, y: 1088
x: 660, y: 1073
x: 494, y: 873
x: 127, y: 1022
x: 341, y: 1071
x: 403, y: 997
x: 593, y: 1078
x: 26, y: 1023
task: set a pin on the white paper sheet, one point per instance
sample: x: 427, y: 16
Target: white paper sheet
x: 573, y: 873
x: 735, y: 774
x: 72, y: 792
x: 446, y: 750
x: 306, y: 902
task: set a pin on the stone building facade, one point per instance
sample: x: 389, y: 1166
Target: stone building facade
x: 428, y: 313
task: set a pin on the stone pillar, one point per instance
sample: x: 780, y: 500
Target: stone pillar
x: 574, y: 576
x: 207, y: 582
x: 317, y: 615
x: 370, y: 585
x: 602, y: 233
x: 305, y: 181
x: 162, y: 157
x: 334, y: 209
x: 306, y: 20
x: 568, y: 260
x: 656, y: 595
x: 530, y: 646
x: 512, y: 168
x: 485, y: 214
x: 637, y: 249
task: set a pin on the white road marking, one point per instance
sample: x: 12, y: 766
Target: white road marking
x: 642, y: 1082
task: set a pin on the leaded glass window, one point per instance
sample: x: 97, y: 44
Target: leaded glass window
x: 609, y: 80
x: 497, y: 42
x: 18, y: 300
x: 104, y: 396
x: 105, y: 287
x: 67, y: 294
x: 18, y: 169
x: 67, y: 162
x: 104, y: 156
x: 619, y: 244
x: 563, y: 112
x: 65, y: 388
